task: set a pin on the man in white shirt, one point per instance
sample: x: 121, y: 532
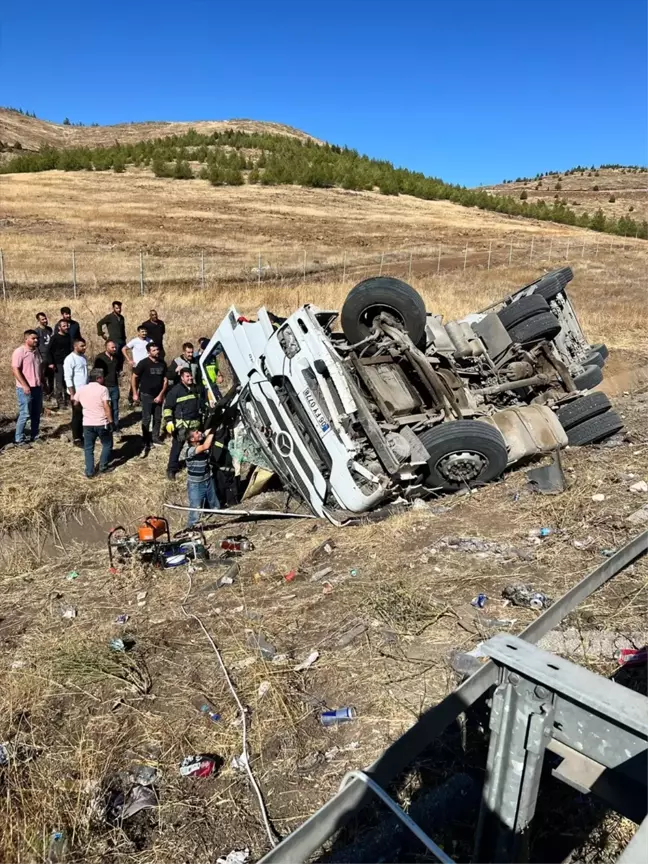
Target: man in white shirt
x: 75, y: 373
x: 137, y: 347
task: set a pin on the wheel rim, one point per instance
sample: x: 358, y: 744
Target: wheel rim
x: 463, y: 466
x: 370, y: 314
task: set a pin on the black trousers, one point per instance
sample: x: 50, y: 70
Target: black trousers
x: 150, y: 411
x: 60, y: 390
x: 177, y: 443
x: 77, y: 422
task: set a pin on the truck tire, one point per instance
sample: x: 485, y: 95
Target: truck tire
x: 562, y: 274
x: 382, y: 293
x: 463, y: 453
x: 522, y: 310
x: 549, y: 287
x: 595, y: 429
x: 601, y: 349
x: 542, y: 326
x: 583, y: 409
x: 590, y: 377
x: 594, y: 359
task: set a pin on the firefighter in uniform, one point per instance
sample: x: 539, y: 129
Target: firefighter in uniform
x: 182, y: 413
x: 211, y: 373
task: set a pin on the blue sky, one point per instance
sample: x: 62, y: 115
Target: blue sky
x: 472, y: 91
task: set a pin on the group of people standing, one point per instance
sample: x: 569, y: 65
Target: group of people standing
x: 52, y: 363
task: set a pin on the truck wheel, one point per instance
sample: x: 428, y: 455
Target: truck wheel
x: 563, y: 275
x: 463, y: 453
x: 590, y: 377
x: 542, y: 326
x: 379, y: 294
x: 522, y: 310
x: 549, y: 287
x: 594, y: 359
x: 595, y: 429
x: 583, y: 409
x: 601, y: 349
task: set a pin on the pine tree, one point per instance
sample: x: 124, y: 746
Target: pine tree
x: 597, y: 222
x: 254, y: 176
x: 119, y: 165
x: 523, y: 195
x: 182, y: 170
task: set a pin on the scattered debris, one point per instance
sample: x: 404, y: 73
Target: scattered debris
x: 237, y: 544
x: 601, y: 644
x: 235, y: 857
x: 308, y: 662
x: 320, y: 574
x: 144, y: 775
x: 239, y: 763
x: 327, y: 588
x: 309, y: 761
x: 335, y: 751
x: 57, y: 847
x: 608, y: 553
x: 205, y: 707
x: 141, y: 598
x: 200, y: 765
x: 121, y: 619
x: 498, y: 622
x: 549, y: 479
x: 540, y: 532
x: 325, y: 548
x: 478, y: 546
x: 351, y: 634
x: 339, y: 715
x: 641, y: 486
x: 467, y: 662
x: 525, y: 595
x: 12, y: 753
x: 633, y: 656
x: 290, y: 575
x: 138, y: 798
x: 117, y: 644
x: 353, y: 572
x: 68, y: 612
x: 264, y: 687
x: 258, y: 642
x: 479, y: 601
x: 598, y: 497
x: 72, y: 575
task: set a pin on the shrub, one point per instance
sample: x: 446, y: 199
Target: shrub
x: 17, y: 146
x: 524, y: 195
x: 630, y: 209
x: 254, y: 176
x: 119, y: 165
x: 612, y: 199
x: 595, y: 188
x: 182, y: 170
x: 558, y: 186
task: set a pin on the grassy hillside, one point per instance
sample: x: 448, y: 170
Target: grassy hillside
x: 235, y: 157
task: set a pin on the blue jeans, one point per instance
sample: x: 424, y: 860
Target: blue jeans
x: 113, y: 393
x: 29, y: 408
x: 200, y: 494
x: 90, y: 435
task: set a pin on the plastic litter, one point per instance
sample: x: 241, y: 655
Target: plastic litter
x: 640, y: 487
x: 264, y: 687
x: 312, y: 658
x: 121, y: 619
x: 144, y: 775
x: 72, y: 575
x: 479, y: 601
x: 339, y: 715
x: 608, y: 553
x: 205, y: 707
x: 290, y: 575
x: 68, y: 612
x: 498, y: 622
x: 598, y: 497
x: 583, y: 544
x: 258, y: 641
x: 541, y: 532
x: 633, y: 656
x: 237, y: 544
x: 327, y: 588
x: 138, y: 798
x: 200, y: 765
x: 239, y: 763
x: 320, y: 574
x: 549, y: 479
x: 467, y: 662
x: 353, y: 572
x: 57, y: 847
x: 235, y: 857
x: 526, y: 595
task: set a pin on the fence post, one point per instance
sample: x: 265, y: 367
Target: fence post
x: 202, y: 269
x: 583, y: 250
x: 2, y: 276
x: 74, y: 282
x: 567, y: 252
x: 510, y: 252
x: 596, y: 250
x: 344, y: 268
x: 439, y: 261
x: 490, y: 252
x: 550, y: 249
x: 409, y: 268
x: 304, y: 266
x: 531, y: 252
x: 465, y: 257
x: 382, y: 261
x: 141, y: 272
x: 259, y: 270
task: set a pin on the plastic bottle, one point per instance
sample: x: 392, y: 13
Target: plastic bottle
x: 237, y: 544
x: 205, y: 707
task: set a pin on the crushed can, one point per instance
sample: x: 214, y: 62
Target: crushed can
x: 479, y: 601
x: 339, y: 715
x: 199, y: 765
x: 237, y: 543
x: 538, y: 600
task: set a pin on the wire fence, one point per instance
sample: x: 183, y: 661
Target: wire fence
x: 89, y: 271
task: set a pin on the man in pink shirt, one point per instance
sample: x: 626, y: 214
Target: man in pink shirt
x: 26, y: 365
x: 94, y: 399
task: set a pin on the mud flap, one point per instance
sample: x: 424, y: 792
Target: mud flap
x: 529, y: 430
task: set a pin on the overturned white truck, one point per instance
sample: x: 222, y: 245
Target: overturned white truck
x: 399, y: 404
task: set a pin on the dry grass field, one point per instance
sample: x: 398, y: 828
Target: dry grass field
x: 629, y: 190
x: 81, y: 717
x: 32, y: 133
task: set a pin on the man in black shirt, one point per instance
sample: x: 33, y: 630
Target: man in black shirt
x: 45, y: 333
x: 108, y: 362
x: 155, y: 330
x: 149, y: 387
x: 113, y: 326
x: 60, y: 345
x: 75, y: 327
